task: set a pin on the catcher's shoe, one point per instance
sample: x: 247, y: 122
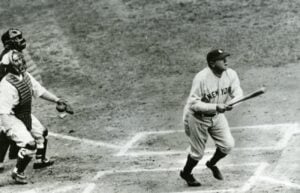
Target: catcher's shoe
x: 215, y: 170
x: 19, y: 178
x: 42, y: 163
x: 189, y: 178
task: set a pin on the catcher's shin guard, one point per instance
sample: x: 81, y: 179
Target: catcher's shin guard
x: 22, y: 163
x: 4, y: 144
x: 41, y: 152
x: 13, y: 151
x: 41, y: 160
x: 24, y: 157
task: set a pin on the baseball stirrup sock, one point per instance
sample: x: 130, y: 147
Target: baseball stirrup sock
x: 190, y: 164
x: 217, y: 156
x: 22, y: 163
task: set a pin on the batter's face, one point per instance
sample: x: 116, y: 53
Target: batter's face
x: 220, y: 65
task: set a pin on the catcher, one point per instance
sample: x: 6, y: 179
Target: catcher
x: 13, y: 39
x: 16, y: 91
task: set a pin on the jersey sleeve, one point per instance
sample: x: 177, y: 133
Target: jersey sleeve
x: 195, y: 99
x: 37, y: 88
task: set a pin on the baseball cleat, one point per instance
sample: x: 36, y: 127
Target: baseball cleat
x: 215, y: 170
x: 189, y: 178
x: 43, y: 163
x: 19, y: 178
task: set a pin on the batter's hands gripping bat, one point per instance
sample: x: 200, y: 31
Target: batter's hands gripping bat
x: 256, y: 93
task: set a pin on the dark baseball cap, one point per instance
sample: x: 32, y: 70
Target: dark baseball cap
x: 217, y: 54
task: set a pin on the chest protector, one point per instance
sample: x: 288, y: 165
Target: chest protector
x: 23, y: 109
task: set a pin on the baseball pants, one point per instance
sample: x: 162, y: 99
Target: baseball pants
x: 198, y: 128
x: 16, y: 131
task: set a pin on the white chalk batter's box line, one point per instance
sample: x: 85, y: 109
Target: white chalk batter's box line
x: 90, y: 187
x: 289, y: 130
x: 253, y: 180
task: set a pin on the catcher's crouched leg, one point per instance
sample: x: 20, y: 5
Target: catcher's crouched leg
x: 3, y: 149
x: 41, y: 159
x: 13, y: 150
x: 25, y: 155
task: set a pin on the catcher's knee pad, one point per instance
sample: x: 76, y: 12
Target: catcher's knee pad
x: 28, y: 151
x: 31, y: 145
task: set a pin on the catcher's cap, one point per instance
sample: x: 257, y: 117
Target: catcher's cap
x: 217, y: 54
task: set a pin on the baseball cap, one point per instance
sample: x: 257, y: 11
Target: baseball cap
x: 217, y: 54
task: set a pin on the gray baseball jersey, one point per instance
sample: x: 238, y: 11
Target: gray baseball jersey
x: 200, y: 115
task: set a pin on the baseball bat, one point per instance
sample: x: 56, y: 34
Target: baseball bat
x: 256, y: 93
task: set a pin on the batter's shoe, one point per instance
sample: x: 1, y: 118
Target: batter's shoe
x: 189, y: 178
x: 19, y: 178
x: 215, y: 170
x: 42, y: 163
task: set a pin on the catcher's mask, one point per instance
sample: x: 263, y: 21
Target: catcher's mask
x: 17, y: 64
x: 13, y: 39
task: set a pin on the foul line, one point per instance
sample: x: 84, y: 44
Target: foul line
x: 87, y: 141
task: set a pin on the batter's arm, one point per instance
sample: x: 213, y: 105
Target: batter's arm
x: 198, y: 106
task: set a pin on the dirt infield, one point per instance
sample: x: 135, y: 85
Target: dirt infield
x: 126, y: 67
x: 147, y: 165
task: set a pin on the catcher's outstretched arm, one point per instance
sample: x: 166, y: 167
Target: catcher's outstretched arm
x: 48, y: 96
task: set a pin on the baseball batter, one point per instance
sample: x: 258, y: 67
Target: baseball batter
x: 212, y: 88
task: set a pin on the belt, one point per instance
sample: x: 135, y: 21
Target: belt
x: 198, y: 115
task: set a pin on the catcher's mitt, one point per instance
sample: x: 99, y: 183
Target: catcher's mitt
x: 63, y: 106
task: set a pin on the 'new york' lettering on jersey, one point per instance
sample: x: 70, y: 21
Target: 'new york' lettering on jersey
x: 208, y: 90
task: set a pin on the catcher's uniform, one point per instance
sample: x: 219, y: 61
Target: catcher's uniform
x: 16, y: 129
x: 38, y: 130
x: 9, y: 98
x: 200, y: 117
